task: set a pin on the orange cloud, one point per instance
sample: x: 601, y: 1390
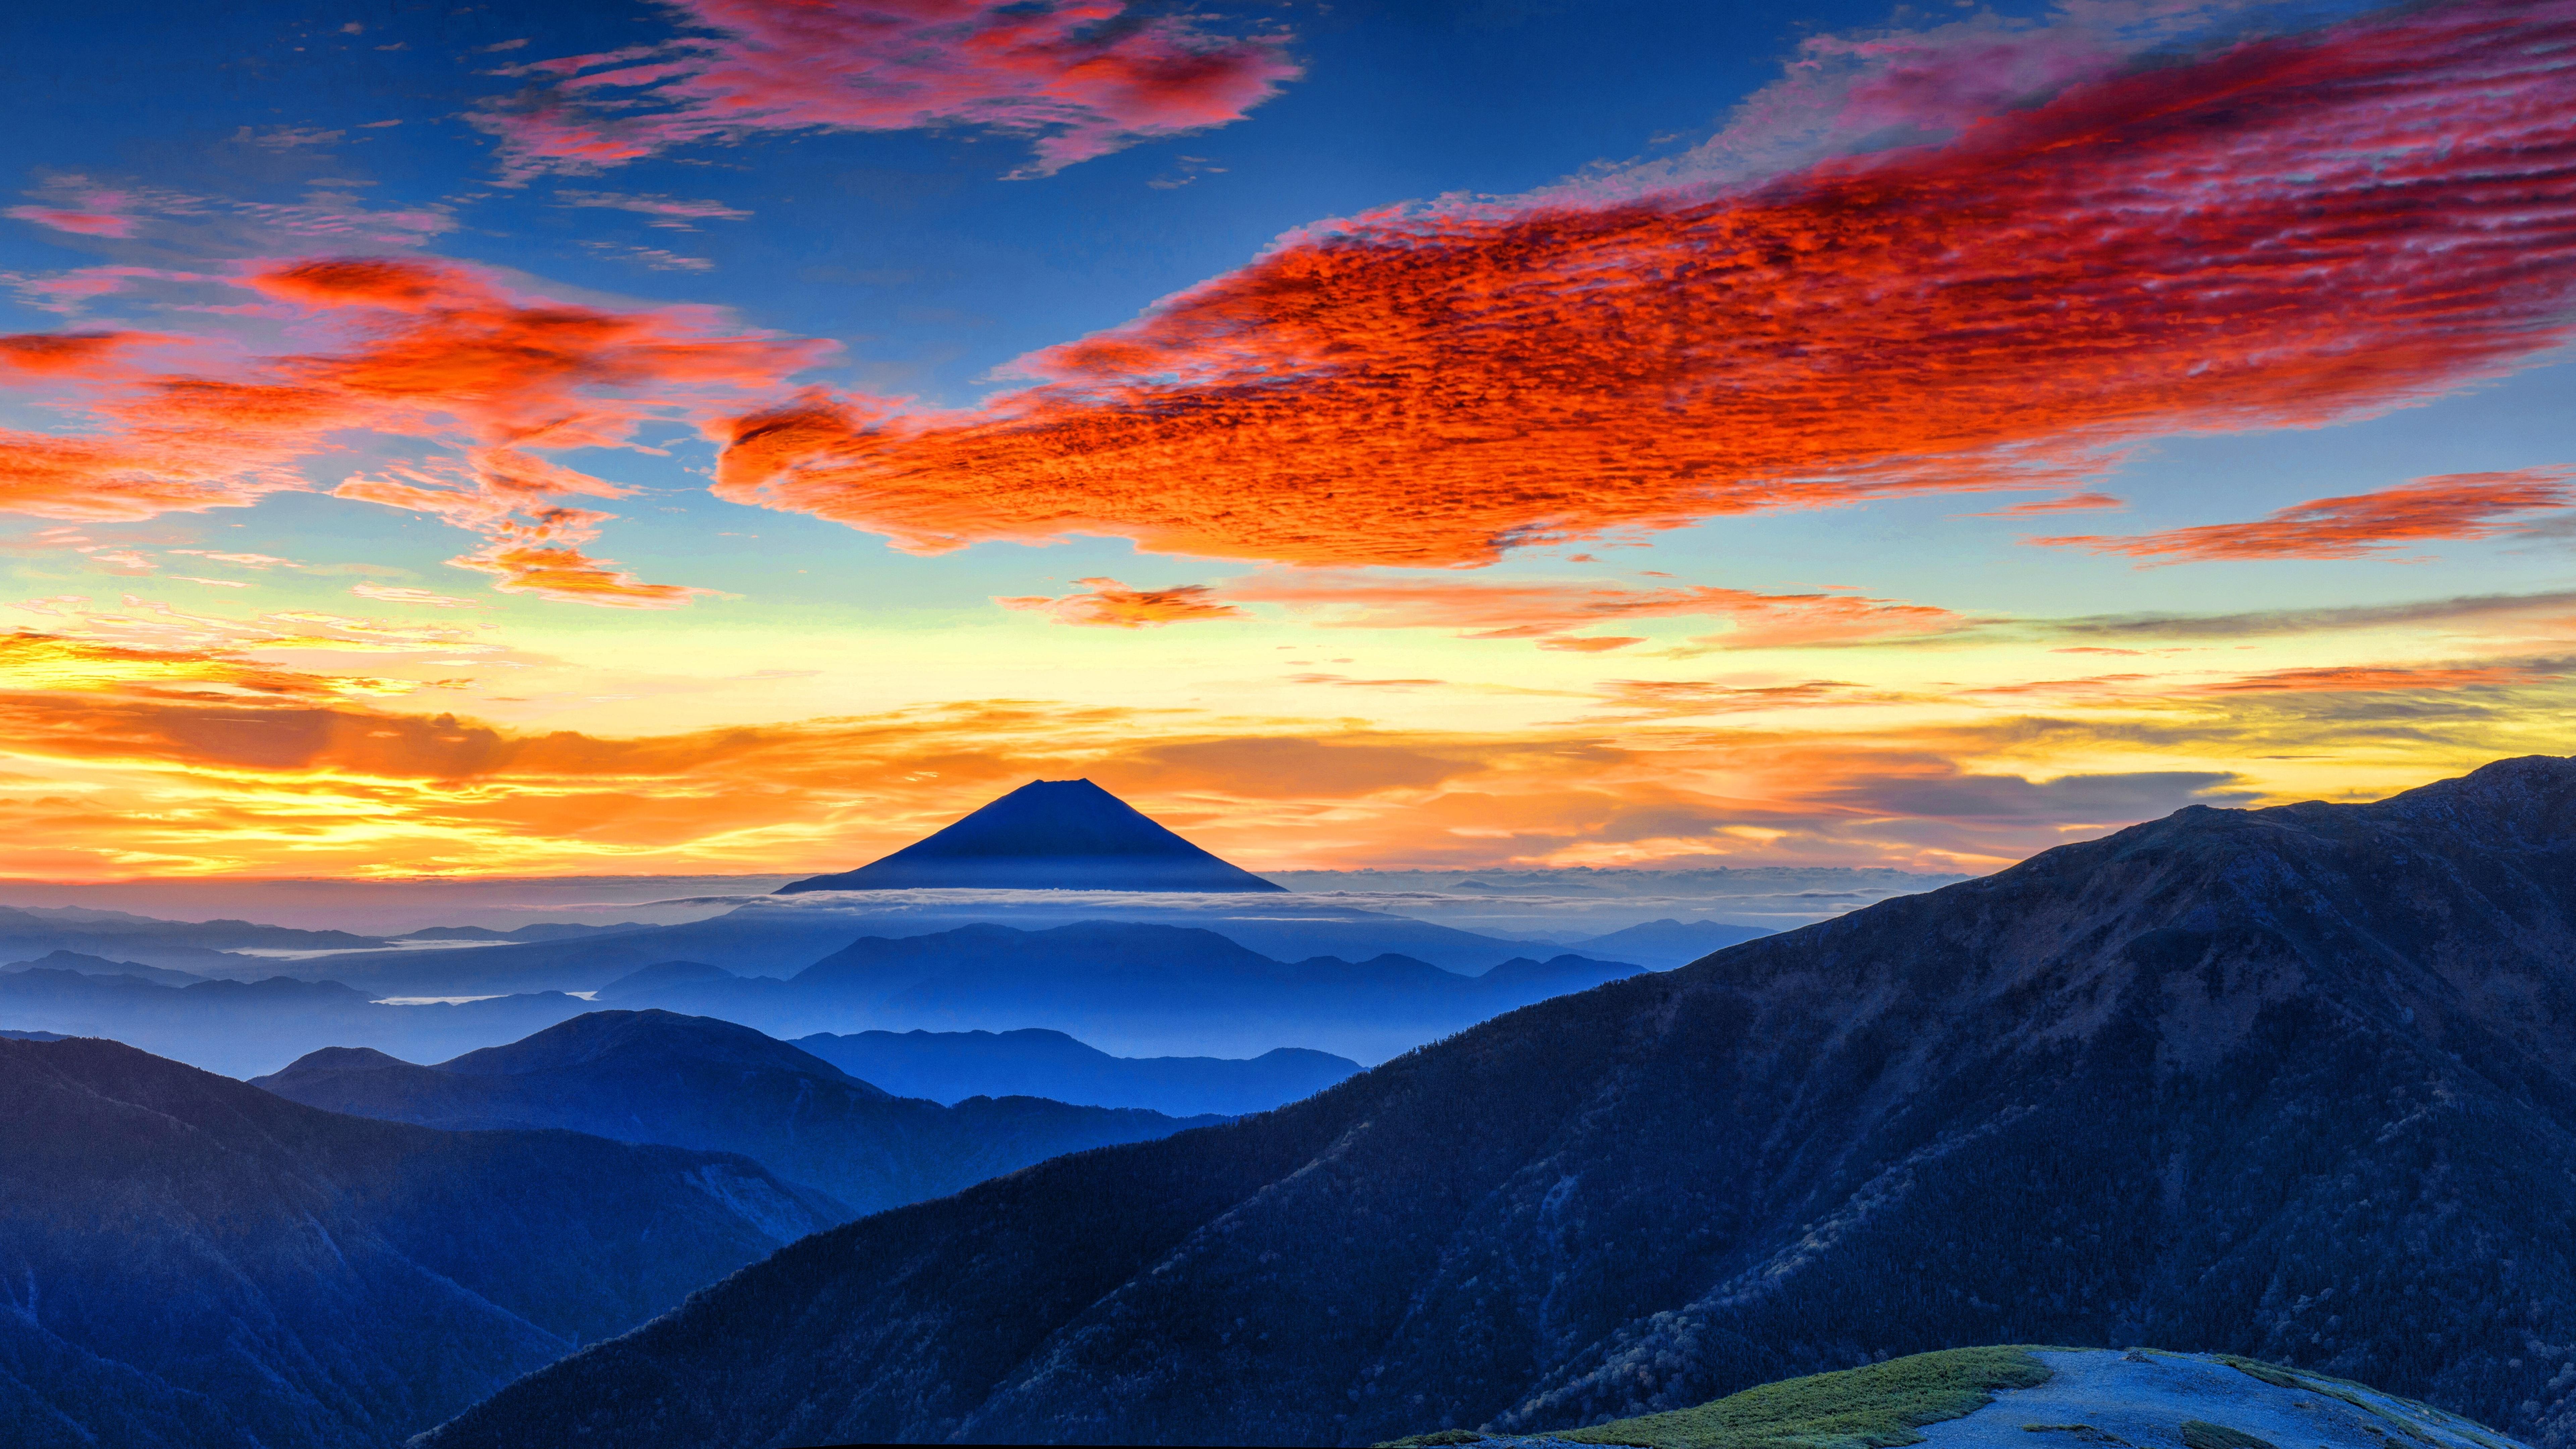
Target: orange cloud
x: 1082, y: 77
x: 2363, y: 678
x: 1107, y: 603
x: 66, y: 354
x: 435, y: 350
x: 1550, y: 612
x: 2362, y: 525
x: 1436, y: 386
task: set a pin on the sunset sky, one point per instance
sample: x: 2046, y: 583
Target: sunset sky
x: 741, y: 435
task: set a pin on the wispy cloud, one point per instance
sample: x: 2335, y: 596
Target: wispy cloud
x: 1552, y: 612
x: 2451, y: 506
x: 1107, y: 603
x: 668, y: 211
x: 1080, y: 77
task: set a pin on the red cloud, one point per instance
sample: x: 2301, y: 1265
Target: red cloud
x: 1081, y: 76
x: 1107, y: 603
x: 82, y: 223
x: 2291, y: 232
x: 433, y: 350
x: 1551, y: 613
x: 2450, y: 506
x: 89, y: 355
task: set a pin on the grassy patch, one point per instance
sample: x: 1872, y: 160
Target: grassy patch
x: 1877, y: 1407
x: 2202, y: 1434
x: 2085, y: 1432
x: 2361, y: 1396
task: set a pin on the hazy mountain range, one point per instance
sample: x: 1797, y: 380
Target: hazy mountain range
x: 947, y: 1066
x: 1133, y: 988
x: 2297, y: 1082
x: 651, y: 1076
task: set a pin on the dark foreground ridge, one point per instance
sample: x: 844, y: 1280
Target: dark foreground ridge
x: 1048, y: 835
x: 192, y: 1263
x: 2296, y: 1083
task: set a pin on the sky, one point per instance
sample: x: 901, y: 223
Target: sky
x: 726, y: 437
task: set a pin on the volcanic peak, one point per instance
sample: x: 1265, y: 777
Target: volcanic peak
x: 1048, y: 835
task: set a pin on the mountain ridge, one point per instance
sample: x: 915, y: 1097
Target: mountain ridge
x: 683, y: 1081
x: 192, y: 1263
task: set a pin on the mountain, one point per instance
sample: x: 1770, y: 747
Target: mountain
x: 202, y: 947
x: 686, y: 1081
x: 192, y: 1263
x: 2086, y: 1398
x: 2296, y: 1083
x: 947, y: 1066
x: 1668, y: 943
x: 664, y: 973
x: 1047, y: 835
x: 540, y: 931
x: 1133, y: 988
x: 87, y: 965
x: 243, y: 1027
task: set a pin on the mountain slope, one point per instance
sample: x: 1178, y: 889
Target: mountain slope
x: 946, y: 1066
x: 1047, y: 835
x: 686, y: 1081
x: 2298, y: 1083
x: 191, y: 1262
x: 1668, y: 943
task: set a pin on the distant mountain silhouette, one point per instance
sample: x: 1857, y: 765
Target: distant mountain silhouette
x: 947, y: 1066
x: 202, y: 947
x: 1047, y: 835
x: 243, y: 1027
x: 540, y: 931
x: 664, y: 973
x: 688, y: 1081
x: 782, y: 935
x: 88, y: 965
x: 2297, y: 1083
x: 1130, y: 987
x: 1668, y: 943
x: 192, y: 1263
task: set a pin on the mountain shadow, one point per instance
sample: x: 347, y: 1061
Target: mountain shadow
x: 687, y: 1081
x: 1047, y: 835
x: 2295, y: 1083
x: 192, y: 1263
